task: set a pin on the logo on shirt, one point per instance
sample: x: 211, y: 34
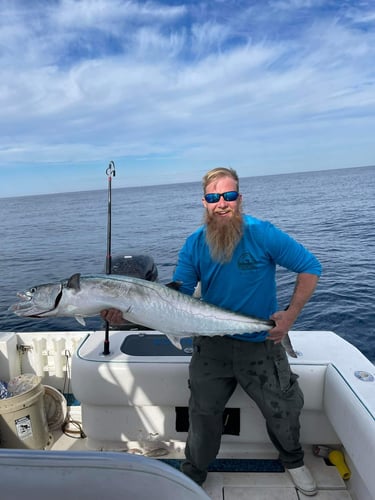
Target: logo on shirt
x: 246, y: 262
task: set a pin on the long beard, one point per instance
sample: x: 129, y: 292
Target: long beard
x: 223, y: 235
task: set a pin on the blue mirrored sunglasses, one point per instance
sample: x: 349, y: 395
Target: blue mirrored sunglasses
x: 215, y: 197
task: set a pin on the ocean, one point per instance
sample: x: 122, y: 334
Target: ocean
x: 50, y: 237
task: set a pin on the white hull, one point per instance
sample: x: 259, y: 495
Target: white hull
x: 128, y: 402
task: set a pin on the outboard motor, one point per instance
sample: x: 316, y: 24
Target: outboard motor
x: 136, y: 266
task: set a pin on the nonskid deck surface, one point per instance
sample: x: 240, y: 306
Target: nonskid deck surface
x: 275, y: 486
x: 242, y: 485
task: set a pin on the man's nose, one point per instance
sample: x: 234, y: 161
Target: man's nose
x: 222, y: 202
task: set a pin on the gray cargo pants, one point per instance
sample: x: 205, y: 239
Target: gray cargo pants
x: 262, y: 369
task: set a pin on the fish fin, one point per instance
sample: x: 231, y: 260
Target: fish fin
x: 176, y: 341
x: 73, y: 282
x: 174, y: 285
x: 80, y: 320
x: 287, y: 344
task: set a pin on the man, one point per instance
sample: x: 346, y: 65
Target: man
x: 234, y: 257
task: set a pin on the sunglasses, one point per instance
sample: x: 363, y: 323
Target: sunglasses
x: 215, y: 197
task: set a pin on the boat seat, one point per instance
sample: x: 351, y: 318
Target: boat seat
x: 35, y: 474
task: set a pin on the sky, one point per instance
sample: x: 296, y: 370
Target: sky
x: 169, y: 89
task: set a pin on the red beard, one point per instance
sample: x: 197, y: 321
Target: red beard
x: 223, y: 235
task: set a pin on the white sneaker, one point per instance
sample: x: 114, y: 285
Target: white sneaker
x: 303, y: 480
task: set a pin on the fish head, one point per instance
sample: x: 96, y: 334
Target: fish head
x: 38, y: 301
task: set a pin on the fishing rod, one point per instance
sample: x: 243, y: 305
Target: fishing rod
x: 110, y: 172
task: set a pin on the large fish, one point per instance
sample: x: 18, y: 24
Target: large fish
x: 142, y: 302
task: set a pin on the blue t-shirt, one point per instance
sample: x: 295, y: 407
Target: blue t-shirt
x: 247, y: 283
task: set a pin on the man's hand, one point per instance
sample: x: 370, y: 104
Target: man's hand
x: 113, y: 316
x: 304, y: 288
x: 284, y: 323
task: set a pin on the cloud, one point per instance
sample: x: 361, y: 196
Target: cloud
x: 88, y: 80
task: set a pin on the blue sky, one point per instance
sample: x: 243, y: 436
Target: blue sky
x: 170, y: 89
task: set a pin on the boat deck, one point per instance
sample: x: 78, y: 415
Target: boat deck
x: 275, y: 486
x: 239, y: 485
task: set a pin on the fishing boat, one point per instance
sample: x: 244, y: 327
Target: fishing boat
x: 113, y: 422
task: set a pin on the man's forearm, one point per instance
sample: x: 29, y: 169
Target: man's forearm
x: 303, y: 290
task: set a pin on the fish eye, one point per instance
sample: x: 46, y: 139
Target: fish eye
x: 32, y: 290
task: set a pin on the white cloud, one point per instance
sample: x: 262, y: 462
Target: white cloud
x: 91, y: 79
x: 103, y: 13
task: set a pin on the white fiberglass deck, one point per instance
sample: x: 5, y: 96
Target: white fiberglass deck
x: 245, y: 486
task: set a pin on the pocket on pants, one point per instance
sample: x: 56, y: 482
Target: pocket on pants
x: 284, y: 374
x: 289, y: 386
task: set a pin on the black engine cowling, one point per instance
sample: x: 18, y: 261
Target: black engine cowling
x: 136, y: 266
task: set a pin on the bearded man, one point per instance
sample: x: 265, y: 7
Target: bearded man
x: 234, y: 257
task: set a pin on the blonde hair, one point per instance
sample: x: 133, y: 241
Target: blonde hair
x: 218, y: 173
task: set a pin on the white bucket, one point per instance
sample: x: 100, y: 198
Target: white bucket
x: 23, y: 422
